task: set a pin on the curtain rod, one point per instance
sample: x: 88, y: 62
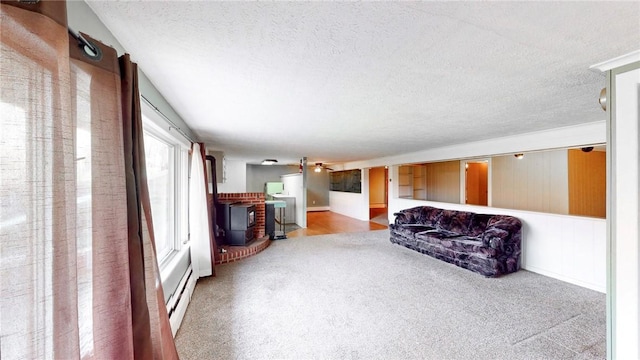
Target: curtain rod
x: 171, y: 123
x: 90, y: 49
x: 84, y: 43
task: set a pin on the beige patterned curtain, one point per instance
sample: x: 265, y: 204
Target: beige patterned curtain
x: 69, y: 286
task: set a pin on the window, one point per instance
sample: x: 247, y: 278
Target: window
x: 167, y: 156
x: 161, y: 181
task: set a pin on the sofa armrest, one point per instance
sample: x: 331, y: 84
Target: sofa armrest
x: 495, y: 238
x: 503, y: 234
x: 402, y: 218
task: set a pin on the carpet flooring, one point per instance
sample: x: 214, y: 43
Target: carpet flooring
x: 357, y: 296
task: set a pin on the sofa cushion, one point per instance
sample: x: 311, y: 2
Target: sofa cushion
x: 440, y: 233
x: 429, y: 215
x: 458, y: 247
x: 478, y: 224
x: 455, y: 221
x: 410, y: 230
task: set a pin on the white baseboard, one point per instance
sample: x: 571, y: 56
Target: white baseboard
x: 318, y: 208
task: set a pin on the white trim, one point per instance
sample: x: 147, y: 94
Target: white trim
x: 624, y: 206
x: 593, y: 133
x: 159, y: 126
x: 319, y: 208
x: 172, y: 265
x: 622, y: 60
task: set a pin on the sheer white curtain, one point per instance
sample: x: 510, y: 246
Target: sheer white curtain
x: 74, y: 283
x: 199, y: 217
x: 64, y: 277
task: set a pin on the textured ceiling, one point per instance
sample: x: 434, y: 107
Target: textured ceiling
x: 344, y: 81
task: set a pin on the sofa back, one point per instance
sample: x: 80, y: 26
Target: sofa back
x: 425, y: 215
x: 462, y: 222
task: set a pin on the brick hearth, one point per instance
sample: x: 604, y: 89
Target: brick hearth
x: 260, y: 242
x: 235, y: 253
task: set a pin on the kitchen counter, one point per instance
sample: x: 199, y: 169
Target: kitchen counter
x: 290, y: 213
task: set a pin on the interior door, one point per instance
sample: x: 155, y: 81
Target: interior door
x: 476, y: 183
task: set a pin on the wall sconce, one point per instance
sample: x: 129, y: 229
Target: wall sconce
x: 269, y: 161
x: 603, y: 99
x: 318, y: 167
x: 519, y: 156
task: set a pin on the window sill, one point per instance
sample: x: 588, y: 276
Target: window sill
x: 172, y: 269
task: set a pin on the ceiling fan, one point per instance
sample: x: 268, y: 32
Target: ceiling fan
x: 319, y: 167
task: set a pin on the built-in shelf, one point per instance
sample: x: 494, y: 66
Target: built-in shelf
x: 412, y: 182
x: 405, y: 182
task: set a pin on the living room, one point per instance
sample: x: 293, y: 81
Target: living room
x: 542, y: 230
x: 381, y: 90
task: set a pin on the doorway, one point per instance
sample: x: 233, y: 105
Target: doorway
x: 477, y: 182
x: 378, y: 199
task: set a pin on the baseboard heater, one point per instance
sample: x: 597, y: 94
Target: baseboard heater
x: 178, y: 302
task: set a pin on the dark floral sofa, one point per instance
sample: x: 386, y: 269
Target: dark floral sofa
x: 486, y: 244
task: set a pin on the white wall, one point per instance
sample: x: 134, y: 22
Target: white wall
x: 349, y: 204
x: 294, y: 186
x: 352, y: 204
x: 567, y: 248
x: 236, y: 177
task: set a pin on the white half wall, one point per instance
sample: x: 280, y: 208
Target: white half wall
x: 350, y: 204
x: 568, y: 248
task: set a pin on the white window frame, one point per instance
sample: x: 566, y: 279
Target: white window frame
x: 154, y: 125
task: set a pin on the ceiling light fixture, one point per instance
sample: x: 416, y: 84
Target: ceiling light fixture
x: 519, y: 156
x: 269, y: 161
x: 318, y: 167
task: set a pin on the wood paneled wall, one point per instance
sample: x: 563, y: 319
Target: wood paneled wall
x: 587, y: 183
x: 443, y: 181
x: 538, y: 182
